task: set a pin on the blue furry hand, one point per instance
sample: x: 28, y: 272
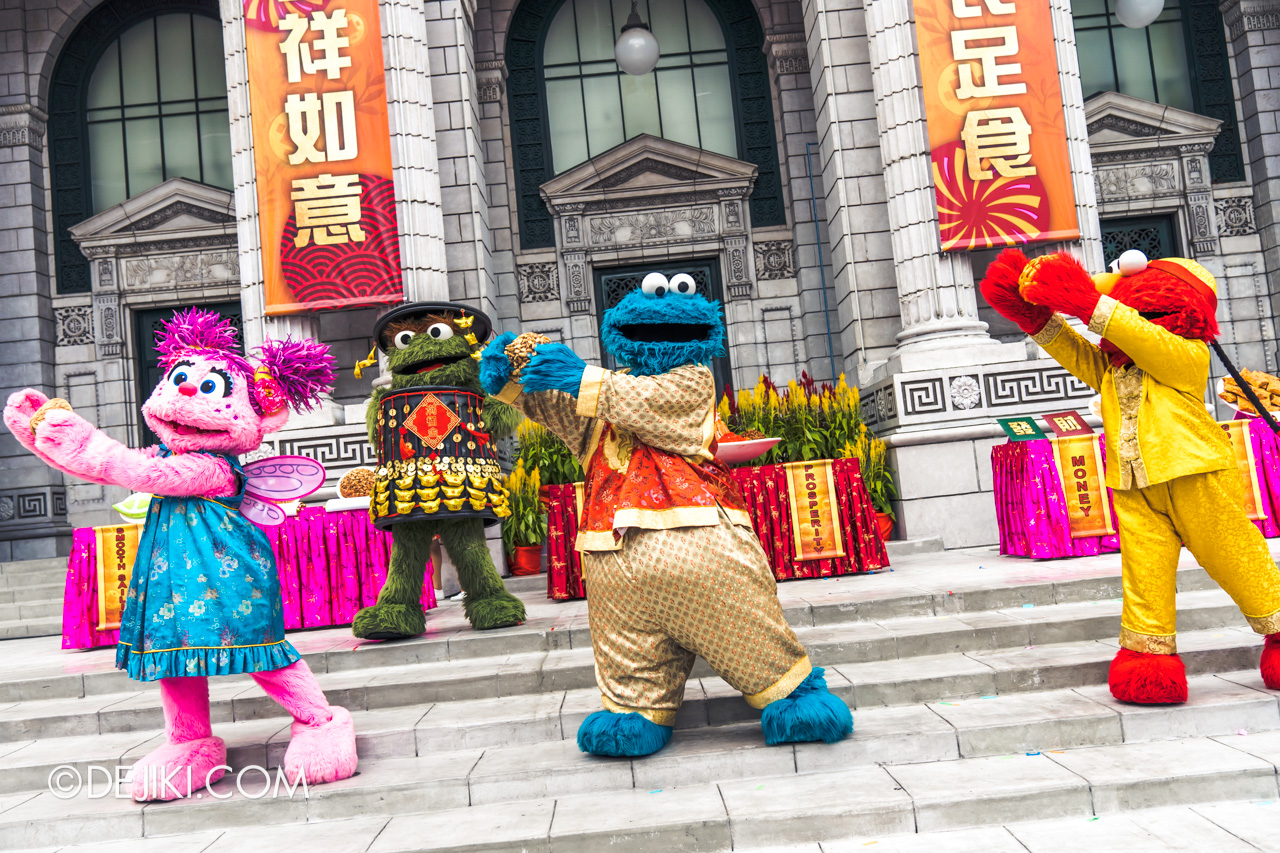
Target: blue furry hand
x: 495, y: 367
x: 553, y: 367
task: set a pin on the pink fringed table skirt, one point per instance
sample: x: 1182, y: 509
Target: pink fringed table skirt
x: 765, y: 491
x: 1031, y: 510
x: 330, y: 565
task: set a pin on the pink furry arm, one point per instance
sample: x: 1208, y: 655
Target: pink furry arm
x: 73, y: 445
x: 18, y: 411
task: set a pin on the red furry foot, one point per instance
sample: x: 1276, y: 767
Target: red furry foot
x: 1271, y: 662
x: 1147, y: 679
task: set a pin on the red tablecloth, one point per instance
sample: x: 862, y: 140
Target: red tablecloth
x: 765, y: 491
x: 330, y: 564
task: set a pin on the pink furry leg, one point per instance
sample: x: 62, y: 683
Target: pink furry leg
x: 322, y: 743
x: 192, y: 758
x: 1271, y: 662
x: 1147, y: 679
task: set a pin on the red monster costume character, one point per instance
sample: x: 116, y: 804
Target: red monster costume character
x: 1169, y: 465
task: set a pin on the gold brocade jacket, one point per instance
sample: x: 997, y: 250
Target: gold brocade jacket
x: 1153, y: 411
x: 646, y: 445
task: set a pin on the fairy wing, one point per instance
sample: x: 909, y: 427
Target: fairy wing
x: 261, y: 511
x: 283, y: 478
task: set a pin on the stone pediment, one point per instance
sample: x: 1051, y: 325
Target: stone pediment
x: 1119, y: 122
x: 177, y: 209
x: 645, y: 170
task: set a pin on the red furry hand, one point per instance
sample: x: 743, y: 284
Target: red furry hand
x: 1000, y: 288
x: 1061, y: 284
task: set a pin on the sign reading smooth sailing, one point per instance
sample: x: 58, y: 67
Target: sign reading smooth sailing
x: 997, y: 132
x: 322, y: 155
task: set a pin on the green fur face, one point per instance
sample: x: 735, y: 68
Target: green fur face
x: 431, y: 351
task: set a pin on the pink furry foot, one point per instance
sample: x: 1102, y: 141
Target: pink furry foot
x: 1147, y: 679
x: 1271, y: 662
x: 324, y: 753
x: 175, y: 770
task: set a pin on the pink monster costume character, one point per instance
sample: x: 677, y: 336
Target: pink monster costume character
x: 203, y: 597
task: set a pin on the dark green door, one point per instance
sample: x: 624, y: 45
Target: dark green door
x: 1151, y: 235
x: 613, y: 283
x: 146, y: 324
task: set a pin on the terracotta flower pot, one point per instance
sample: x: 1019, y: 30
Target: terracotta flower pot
x: 885, y: 525
x: 527, y: 560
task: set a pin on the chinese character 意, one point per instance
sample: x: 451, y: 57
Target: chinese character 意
x: 1001, y: 137
x: 327, y: 209
x: 304, y: 112
x: 996, y: 7
x: 1067, y: 423
x: 298, y: 57
x: 1005, y: 43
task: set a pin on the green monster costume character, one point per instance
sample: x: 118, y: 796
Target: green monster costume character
x: 435, y: 345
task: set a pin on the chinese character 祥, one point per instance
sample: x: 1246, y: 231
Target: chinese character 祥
x: 327, y: 209
x: 299, y: 58
x: 304, y: 112
x: 1004, y: 43
x: 1003, y: 138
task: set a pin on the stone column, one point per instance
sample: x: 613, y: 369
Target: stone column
x: 33, y: 502
x: 1253, y: 33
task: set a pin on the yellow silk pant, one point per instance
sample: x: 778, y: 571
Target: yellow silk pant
x: 1206, y: 512
x: 667, y: 596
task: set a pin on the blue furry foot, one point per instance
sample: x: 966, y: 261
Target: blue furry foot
x: 609, y: 733
x: 809, y: 713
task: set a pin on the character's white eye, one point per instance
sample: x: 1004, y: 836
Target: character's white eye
x: 1131, y: 262
x: 440, y: 331
x: 683, y: 284
x: 402, y: 339
x: 655, y: 284
x: 214, y: 385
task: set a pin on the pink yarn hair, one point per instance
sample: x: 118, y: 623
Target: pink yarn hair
x: 199, y: 332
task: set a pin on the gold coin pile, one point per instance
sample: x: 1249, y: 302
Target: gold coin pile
x: 357, y: 483
x: 1266, y: 386
x: 521, y: 350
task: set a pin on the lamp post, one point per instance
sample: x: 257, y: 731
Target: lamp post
x: 636, y: 50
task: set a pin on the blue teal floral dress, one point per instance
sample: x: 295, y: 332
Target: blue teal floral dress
x: 203, y: 598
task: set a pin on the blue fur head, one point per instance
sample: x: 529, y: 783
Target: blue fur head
x: 663, y: 325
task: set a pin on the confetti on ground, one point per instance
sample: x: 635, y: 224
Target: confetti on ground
x: 759, y: 787
x: 946, y: 703
x: 1243, y: 732
x: 1027, y: 606
x: 1056, y: 751
x: 1033, y: 753
x: 1031, y: 647
x: 658, y: 791
x: 1093, y: 818
x: 988, y: 697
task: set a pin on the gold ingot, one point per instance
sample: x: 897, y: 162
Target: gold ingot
x: 428, y: 478
x: 456, y: 478
x: 502, y: 511
x: 454, y: 505
x: 498, y: 499
x: 478, y: 480
x: 404, y: 495
x: 478, y: 504
x: 454, y: 492
x: 430, y: 506
x: 476, y: 493
x: 428, y: 494
x: 404, y: 508
x: 404, y: 482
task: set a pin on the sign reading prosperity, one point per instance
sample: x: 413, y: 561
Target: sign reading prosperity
x: 1080, y: 467
x: 997, y: 132
x: 322, y: 154
x: 815, y: 518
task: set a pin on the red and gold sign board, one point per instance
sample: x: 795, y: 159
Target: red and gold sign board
x: 1080, y: 467
x: 815, y: 518
x: 997, y: 133
x: 117, y: 549
x: 322, y: 155
x: 1242, y: 447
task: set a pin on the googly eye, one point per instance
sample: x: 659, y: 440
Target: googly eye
x: 440, y: 331
x: 655, y: 284
x: 178, y: 377
x: 1131, y: 262
x: 402, y: 339
x: 214, y: 385
x: 683, y: 284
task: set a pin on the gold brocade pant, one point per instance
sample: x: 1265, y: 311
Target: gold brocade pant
x: 1205, y: 511
x: 668, y: 596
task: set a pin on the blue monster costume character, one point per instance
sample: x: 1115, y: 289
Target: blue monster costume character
x: 672, y: 565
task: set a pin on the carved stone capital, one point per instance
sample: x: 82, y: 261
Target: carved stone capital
x: 22, y: 124
x: 787, y: 52
x: 491, y: 80
x: 1241, y: 16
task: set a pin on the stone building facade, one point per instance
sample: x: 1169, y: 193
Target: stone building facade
x: 805, y: 205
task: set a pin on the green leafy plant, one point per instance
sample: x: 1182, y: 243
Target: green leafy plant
x: 526, y: 525
x: 876, y: 474
x: 542, y: 451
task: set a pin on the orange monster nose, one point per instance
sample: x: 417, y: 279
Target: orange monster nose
x: 187, y: 389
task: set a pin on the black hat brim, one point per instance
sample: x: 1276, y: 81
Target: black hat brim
x: 481, y: 328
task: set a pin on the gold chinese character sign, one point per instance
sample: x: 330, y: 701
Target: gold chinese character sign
x: 322, y: 154
x: 997, y: 133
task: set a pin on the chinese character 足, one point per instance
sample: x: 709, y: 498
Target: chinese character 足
x: 327, y: 209
x: 304, y: 112
x: 1005, y: 43
x: 1003, y: 138
x: 298, y: 57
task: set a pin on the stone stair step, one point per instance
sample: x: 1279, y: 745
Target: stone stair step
x: 432, y: 804
x: 45, y: 626
x: 45, y: 564
x: 34, y: 592
x: 30, y: 611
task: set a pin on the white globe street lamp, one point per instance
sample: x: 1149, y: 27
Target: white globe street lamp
x: 637, y: 49
x: 1137, y: 14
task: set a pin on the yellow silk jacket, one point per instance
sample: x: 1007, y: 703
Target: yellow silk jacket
x: 1153, y: 411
